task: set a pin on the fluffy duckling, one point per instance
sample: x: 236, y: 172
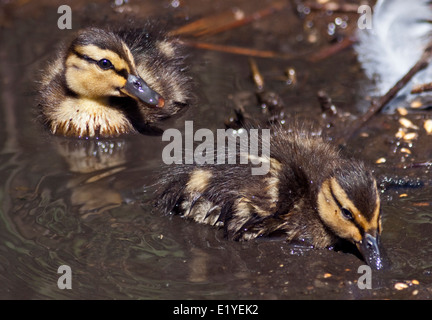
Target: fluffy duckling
x: 108, y: 83
x: 310, y: 194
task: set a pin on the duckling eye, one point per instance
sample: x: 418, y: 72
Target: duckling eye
x: 105, y: 64
x: 347, y: 214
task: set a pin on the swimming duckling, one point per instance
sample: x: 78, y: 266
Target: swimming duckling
x: 310, y: 194
x: 108, y: 83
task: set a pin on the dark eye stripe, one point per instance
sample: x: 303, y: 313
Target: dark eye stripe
x: 122, y: 73
x: 341, y: 208
x: 83, y: 57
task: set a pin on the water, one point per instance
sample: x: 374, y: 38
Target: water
x: 82, y: 203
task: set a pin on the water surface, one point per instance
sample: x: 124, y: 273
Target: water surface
x: 80, y: 203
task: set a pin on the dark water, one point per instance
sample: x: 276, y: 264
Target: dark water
x: 80, y: 203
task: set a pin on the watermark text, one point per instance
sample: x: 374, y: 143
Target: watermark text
x: 229, y: 147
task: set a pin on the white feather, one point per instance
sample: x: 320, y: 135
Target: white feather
x: 400, y: 32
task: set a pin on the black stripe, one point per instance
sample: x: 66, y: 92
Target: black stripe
x: 83, y: 57
x: 334, y: 198
x: 122, y: 73
x: 342, y: 207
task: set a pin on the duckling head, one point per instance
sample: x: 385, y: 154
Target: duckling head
x: 349, y: 204
x: 107, y: 83
x: 100, y: 65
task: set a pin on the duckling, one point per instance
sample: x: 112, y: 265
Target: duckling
x: 310, y: 194
x: 106, y: 83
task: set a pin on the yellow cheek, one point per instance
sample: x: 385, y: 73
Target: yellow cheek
x: 97, y: 54
x: 331, y: 216
x: 112, y: 83
x: 89, y: 81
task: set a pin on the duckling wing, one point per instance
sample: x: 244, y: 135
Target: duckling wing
x: 222, y: 195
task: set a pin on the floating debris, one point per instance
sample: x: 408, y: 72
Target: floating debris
x: 411, y: 136
x: 406, y: 284
x: 327, y: 106
x: 416, y: 104
x: 428, y: 126
x: 400, y: 134
x: 405, y: 150
x: 381, y: 160
x: 400, y: 286
x: 407, y: 124
x: 421, y: 204
x: 402, y: 111
x: 256, y: 75
x: 291, y: 77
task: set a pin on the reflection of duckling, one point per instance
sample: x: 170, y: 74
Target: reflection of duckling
x: 310, y: 194
x: 95, y: 164
x: 108, y: 83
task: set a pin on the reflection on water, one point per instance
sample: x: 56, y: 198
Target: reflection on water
x: 82, y: 203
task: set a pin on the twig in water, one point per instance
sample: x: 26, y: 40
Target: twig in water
x: 414, y: 165
x: 331, y: 50
x: 332, y: 6
x: 422, y: 88
x: 326, y: 104
x: 227, y: 20
x: 256, y: 75
x: 377, y: 106
x: 237, y: 50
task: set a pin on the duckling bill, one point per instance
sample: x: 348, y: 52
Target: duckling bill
x: 311, y: 194
x: 107, y: 83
